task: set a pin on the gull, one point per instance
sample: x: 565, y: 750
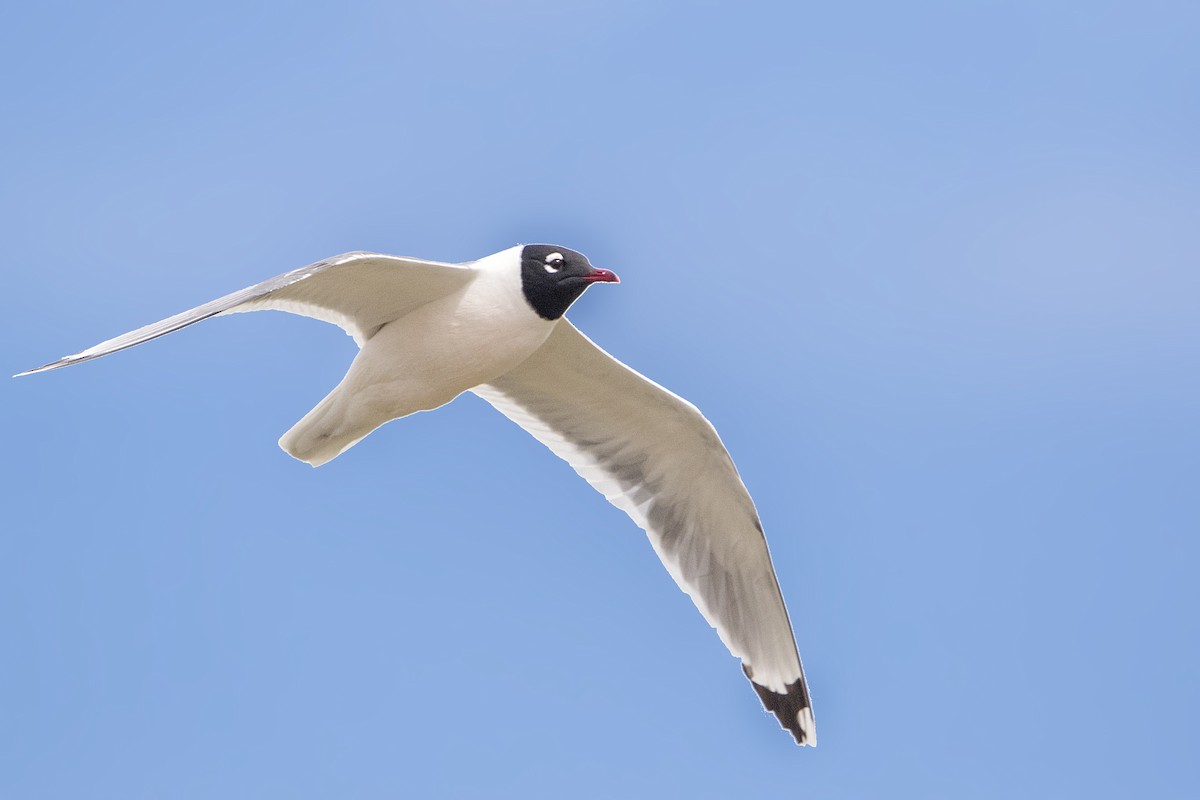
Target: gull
x: 428, y: 331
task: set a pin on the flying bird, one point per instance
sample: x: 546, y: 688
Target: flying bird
x: 428, y: 331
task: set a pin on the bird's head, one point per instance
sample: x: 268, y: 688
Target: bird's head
x: 553, y: 277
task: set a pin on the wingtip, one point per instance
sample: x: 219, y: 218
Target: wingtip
x: 793, y: 709
x: 62, y: 362
x: 806, y: 722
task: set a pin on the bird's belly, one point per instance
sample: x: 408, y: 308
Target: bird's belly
x: 476, y: 354
x: 427, y: 359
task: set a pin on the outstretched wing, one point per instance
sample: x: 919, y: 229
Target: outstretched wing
x: 359, y: 292
x: 654, y: 455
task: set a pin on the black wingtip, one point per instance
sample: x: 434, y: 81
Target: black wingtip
x: 793, y: 710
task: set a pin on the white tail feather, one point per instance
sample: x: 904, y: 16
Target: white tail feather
x: 326, y: 432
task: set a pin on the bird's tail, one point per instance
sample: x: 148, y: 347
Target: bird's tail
x: 329, y: 430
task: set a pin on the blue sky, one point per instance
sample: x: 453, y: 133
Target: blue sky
x: 930, y: 268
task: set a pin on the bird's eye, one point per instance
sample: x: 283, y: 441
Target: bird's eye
x: 554, y: 262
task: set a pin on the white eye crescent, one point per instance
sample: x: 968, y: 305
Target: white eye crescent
x: 554, y: 262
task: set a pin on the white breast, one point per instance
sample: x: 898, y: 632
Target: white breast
x: 471, y: 336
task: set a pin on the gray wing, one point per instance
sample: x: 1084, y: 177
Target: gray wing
x: 359, y: 292
x: 654, y: 455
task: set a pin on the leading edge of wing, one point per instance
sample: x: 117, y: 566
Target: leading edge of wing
x: 225, y: 304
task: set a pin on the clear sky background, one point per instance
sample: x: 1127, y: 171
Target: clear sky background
x: 932, y: 269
